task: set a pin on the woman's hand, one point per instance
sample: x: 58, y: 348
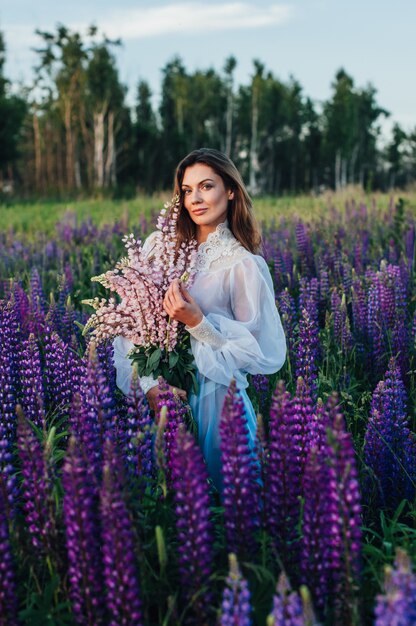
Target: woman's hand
x: 153, y: 396
x: 180, y: 305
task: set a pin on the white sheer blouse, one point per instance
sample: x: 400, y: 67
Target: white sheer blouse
x: 240, y: 333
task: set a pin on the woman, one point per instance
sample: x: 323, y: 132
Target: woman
x: 230, y: 310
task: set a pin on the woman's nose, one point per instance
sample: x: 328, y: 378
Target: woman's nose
x: 195, y: 196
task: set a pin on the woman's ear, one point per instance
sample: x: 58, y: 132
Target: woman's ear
x: 231, y: 195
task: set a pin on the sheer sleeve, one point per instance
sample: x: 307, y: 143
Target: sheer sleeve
x: 252, y: 341
x: 122, y: 346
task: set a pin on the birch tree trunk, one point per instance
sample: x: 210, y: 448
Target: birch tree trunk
x: 38, y: 151
x: 99, y: 148
x: 343, y: 172
x: 110, y: 162
x: 229, y: 120
x: 337, y: 170
x: 254, y: 160
x: 69, y: 145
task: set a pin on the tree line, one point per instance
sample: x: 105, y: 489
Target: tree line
x: 71, y: 132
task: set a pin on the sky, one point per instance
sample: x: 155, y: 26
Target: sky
x: 373, y: 40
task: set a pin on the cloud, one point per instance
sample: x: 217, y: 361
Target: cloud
x: 192, y: 18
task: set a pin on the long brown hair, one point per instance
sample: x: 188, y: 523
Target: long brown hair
x: 240, y: 216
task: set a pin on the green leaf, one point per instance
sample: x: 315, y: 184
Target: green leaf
x: 173, y: 359
x: 154, y: 359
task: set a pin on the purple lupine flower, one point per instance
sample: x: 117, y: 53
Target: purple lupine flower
x: 320, y: 538
x: 283, y: 480
x: 307, y: 350
x: 359, y: 314
x: 37, y: 295
x: 175, y: 416
x: 331, y: 541
x: 375, y: 329
x: 390, y: 446
x: 235, y: 605
x: 36, y: 486
x: 120, y: 569
x: 289, y: 607
x: 261, y: 386
x: 262, y: 452
x: 241, y: 493
x: 22, y: 305
x: 195, y: 531
x: 80, y: 511
x: 59, y: 385
x: 323, y: 285
x: 8, y: 597
x: 31, y: 382
x: 288, y: 314
x: 84, y: 426
x: 9, y: 344
x: 105, y: 353
x: 341, y: 324
x: 397, y: 606
x: 343, y: 455
x: 97, y: 397
x: 137, y: 440
x: 305, y: 249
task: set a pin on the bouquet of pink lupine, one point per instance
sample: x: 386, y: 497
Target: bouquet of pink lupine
x: 161, y: 345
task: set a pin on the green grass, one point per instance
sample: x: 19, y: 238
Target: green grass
x: 27, y: 218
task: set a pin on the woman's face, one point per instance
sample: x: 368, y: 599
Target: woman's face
x: 205, y: 196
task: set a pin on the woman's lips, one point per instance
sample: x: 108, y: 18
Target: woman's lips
x: 199, y: 211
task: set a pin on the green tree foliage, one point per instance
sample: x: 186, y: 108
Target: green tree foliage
x: 12, y: 111
x: 79, y: 135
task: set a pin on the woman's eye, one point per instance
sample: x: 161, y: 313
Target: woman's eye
x: 185, y: 191
x: 207, y: 186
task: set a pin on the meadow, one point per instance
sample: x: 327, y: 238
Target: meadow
x: 107, y: 515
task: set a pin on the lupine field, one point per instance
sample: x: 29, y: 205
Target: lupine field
x: 107, y: 515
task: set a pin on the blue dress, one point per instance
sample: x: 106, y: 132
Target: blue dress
x: 240, y: 333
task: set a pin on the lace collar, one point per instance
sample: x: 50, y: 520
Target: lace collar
x: 219, y: 244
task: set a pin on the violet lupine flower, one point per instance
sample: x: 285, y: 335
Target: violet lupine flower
x: 36, y: 486
x: 359, y: 314
x: 331, y: 541
x: 8, y: 596
x: 80, y: 511
x: 138, y: 436
x: 120, y: 569
x: 397, y: 606
x: 341, y: 323
x: 240, y: 473
x: 59, y: 386
x: 36, y: 291
x: 84, y: 426
x: 390, y: 446
x: 175, y: 416
x: 195, y: 531
x: 105, y: 354
x: 96, y: 395
x: 291, y: 608
x: 289, y: 317
x: 22, y: 305
x: 8, y: 396
x: 283, y: 481
x: 31, y: 382
x: 307, y: 351
x: 375, y: 329
x: 305, y: 249
x: 343, y: 455
x: 261, y: 385
x: 262, y: 452
x: 235, y: 605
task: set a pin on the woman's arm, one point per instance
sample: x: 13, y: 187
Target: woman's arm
x: 253, y: 341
